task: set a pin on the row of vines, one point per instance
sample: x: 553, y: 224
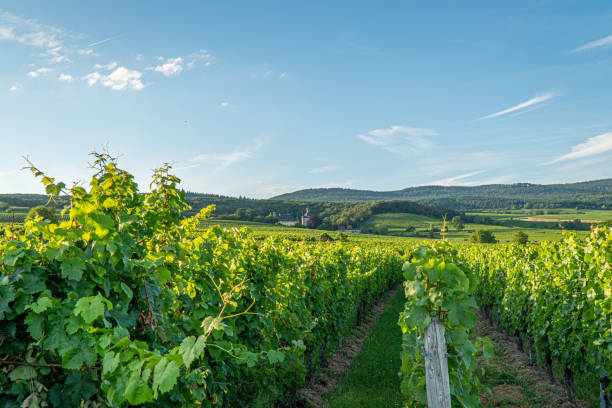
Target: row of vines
x: 126, y: 303
x: 556, y: 297
x: 439, y: 287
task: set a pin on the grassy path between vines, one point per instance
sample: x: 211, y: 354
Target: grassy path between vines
x: 371, y: 380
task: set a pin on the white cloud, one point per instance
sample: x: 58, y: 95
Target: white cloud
x: 30, y: 32
x: 601, y: 43
x: 6, y: 33
x: 592, y: 146
x: 202, y: 55
x: 93, y: 78
x: 533, y: 101
x: 65, y: 78
x: 139, y: 57
x: 191, y: 166
x: 39, y: 72
x: 15, y: 87
x: 39, y: 39
x: 102, y: 41
x: 57, y: 55
x: 323, y: 169
x: 120, y: 79
x: 456, y: 181
x: 222, y: 161
x: 86, y: 51
x: 282, y: 75
x: 111, y: 65
x: 224, y: 104
x: 172, y: 66
x: 400, y: 139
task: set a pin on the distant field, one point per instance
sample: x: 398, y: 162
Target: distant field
x: 553, y: 214
x: 264, y: 230
x: 398, y: 222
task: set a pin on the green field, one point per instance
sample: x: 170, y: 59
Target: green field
x: 263, y: 230
x: 398, y: 222
x: 552, y: 214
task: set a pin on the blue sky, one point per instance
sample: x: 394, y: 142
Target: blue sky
x: 261, y: 98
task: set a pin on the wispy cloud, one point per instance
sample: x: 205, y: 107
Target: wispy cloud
x: 120, y: 79
x: 103, y: 41
x: 400, y: 139
x: 190, y: 166
x: 601, y: 43
x: 533, y: 101
x: 39, y: 72
x: 282, y: 75
x: 174, y: 66
x: 15, y: 87
x: 30, y: 32
x: 592, y: 146
x: 224, y: 104
x: 87, y: 51
x: 65, y: 78
x: 109, y: 66
x: 456, y: 181
x: 462, y: 180
x: 221, y: 161
x: 323, y: 169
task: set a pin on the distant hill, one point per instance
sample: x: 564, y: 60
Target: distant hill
x: 592, y: 194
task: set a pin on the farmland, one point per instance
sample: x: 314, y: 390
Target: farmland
x: 127, y: 296
x: 399, y: 224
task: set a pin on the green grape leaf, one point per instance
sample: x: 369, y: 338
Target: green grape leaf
x: 110, y: 362
x: 74, y: 358
x: 42, y: 304
x: 165, y: 375
x: 137, y: 391
x: 23, y: 373
x: 7, y: 295
x: 210, y: 323
x: 35, y: 324
x: 73, y: 268
x: 191, y: 348
x: 275, y: 356
x: 90, y: 308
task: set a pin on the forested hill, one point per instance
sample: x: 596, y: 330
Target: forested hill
x: 597, y: 191
x: 325, y: 215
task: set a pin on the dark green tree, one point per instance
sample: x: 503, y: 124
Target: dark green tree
x: 483, y: 237
x: 457, y: 222
x: 48, y: 213
x: 521, y: 238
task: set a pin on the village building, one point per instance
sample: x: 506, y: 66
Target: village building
x: 306, y: 217
x: 287, y: 220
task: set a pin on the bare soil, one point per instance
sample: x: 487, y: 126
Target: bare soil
x: 514, y: 382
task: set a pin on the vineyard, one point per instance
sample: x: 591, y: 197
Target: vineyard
x: 126, y: 302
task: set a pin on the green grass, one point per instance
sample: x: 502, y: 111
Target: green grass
x: 371, y: 381
x: 263, y: 230
x: 551, y: 214
x: 398, y: 222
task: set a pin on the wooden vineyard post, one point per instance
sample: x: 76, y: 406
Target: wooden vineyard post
x: 605, y: 400
x: 436, y: 366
